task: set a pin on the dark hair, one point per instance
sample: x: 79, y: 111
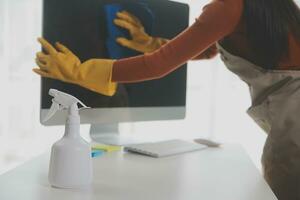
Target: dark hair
x: 268, y: 24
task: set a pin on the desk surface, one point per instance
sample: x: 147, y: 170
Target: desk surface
x: 211, y: 174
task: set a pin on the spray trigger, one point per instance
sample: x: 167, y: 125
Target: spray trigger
x: 62, y: 101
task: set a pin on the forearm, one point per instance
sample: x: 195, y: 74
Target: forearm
x: 209, y: 53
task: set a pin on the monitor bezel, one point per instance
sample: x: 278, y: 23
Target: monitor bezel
x: 117, y: 115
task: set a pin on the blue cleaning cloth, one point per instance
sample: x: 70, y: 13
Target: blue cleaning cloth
x: 141, y: 11
x: 97, y: 153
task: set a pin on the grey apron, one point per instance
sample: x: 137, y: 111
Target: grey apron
x: 275, y: 96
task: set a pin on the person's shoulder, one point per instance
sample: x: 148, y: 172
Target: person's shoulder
x: 230, y: 12
x: 232, y: 4
x: 227, y: 4
x: 233, y: 8
x: 230, y: 1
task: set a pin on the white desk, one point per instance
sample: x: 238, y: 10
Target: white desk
x: 210, y: 174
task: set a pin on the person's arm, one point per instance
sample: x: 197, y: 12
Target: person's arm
x: 218, y: 19
x: 143, y: 42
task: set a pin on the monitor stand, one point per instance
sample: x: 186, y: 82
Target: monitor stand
x: 109, y: 134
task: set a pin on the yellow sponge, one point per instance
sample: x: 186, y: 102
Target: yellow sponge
x: 107, y: 148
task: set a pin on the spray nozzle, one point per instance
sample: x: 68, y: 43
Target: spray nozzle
x: 62, y: 101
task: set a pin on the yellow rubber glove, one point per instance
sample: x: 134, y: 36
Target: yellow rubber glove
x: 60, y: 63
x: 141, y: 41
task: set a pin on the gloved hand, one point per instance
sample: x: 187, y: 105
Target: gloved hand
x: 60, y: 63
x: 141, y: 41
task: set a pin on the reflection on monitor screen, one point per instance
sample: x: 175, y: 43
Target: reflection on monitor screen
x: 83, y: 26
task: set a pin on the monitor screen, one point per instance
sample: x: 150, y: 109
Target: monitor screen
x: 81, y: 25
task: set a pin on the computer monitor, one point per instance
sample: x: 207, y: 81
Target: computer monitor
x: 81, y: 26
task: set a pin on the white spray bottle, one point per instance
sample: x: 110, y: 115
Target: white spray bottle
x: 70, y: 162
